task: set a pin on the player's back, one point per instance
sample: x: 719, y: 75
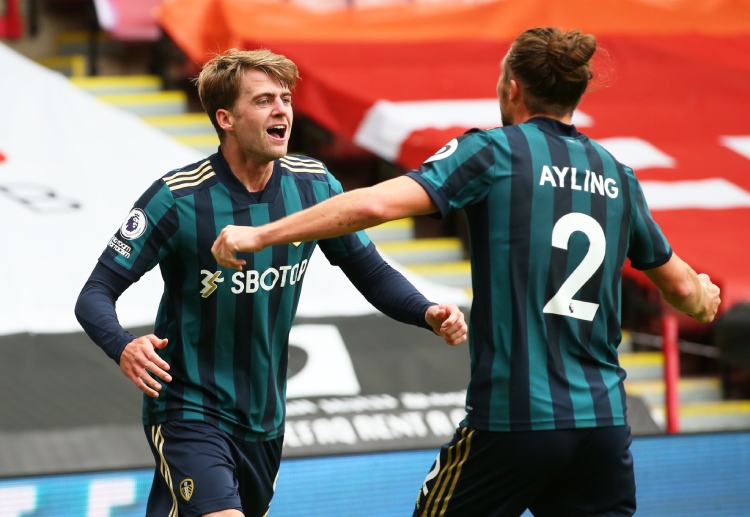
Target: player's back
x: 548, y: 244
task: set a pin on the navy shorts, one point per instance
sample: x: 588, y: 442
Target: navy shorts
x: 561, y: 473
x: 202, y: 469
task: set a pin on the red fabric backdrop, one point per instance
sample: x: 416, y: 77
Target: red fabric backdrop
x: 680, y: 83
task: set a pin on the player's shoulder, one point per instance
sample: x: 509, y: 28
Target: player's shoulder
x: 610, y: 157
x: 301, y: 164
x: 483, y: 134
x: 190, y: 178
x: 480, y: 132
x: 475, y: 139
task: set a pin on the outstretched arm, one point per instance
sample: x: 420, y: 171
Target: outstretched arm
x: 686, y: 291
x: 342, y: 214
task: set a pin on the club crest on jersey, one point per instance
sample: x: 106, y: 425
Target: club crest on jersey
x: 186, y: 489
x: 135, y: 224
x: 447, y: 150
x: 210, y: 279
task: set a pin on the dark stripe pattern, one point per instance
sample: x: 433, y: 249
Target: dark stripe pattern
x: 536, y: 364
x: 228, y: 331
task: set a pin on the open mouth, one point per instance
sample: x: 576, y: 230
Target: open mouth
x: 278, y: 131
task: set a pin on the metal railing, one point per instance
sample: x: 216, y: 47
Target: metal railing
x: 671, y: 346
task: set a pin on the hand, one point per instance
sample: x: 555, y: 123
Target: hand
x: 447, y: 321
x: 233, y: 239
x: 711, y: 299
x: 139, y: 360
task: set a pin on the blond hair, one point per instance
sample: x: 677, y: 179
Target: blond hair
x: 220, y: 79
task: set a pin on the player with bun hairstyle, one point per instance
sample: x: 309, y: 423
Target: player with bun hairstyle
x: 553, y: 67
x: 552, y: 218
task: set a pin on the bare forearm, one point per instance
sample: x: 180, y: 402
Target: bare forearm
x: 342, y: 214
x: 346, y: 213
x: 687, y: 297
x: 685, y: 290
x: 350, y: 212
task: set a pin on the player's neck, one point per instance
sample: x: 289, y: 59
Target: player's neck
x: 252, y: 173
x: 525, y: 115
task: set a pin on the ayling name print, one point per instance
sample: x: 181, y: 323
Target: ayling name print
x: 586, y: 181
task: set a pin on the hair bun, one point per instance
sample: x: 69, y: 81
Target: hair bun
x: 553, y: 66
x: 569, y: 53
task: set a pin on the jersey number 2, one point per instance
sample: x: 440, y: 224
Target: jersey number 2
x: 562, y: 302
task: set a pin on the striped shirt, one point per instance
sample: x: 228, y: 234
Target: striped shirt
x: 552, y: 217
x: 228, y: 330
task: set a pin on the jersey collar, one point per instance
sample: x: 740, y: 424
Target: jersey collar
x: 238, y: 190
x: 553, y: 126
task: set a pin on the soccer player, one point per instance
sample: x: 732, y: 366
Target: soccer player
x: 214, y: 372
x: 552, y: 218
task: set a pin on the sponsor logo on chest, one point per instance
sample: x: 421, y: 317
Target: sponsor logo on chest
x: 251, y: 280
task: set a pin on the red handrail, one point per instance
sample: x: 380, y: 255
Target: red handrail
x: 671, y: 372
x: 10, y: 20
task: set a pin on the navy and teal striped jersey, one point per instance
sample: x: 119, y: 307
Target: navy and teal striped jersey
x: 552, y: 217
x: 228, y: 330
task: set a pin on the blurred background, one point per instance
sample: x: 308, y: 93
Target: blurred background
x: 97, y: 101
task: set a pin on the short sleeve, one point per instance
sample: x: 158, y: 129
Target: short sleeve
x: 648, y: 246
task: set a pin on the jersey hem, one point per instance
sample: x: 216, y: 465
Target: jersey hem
x: 238, y: 431
x: 541, y: 426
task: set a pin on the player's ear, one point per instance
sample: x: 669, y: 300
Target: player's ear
x: 225, y: 119
x: 514, y: 91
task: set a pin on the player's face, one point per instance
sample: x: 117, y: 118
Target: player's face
x: 503, y: 94
x: 262, y: 116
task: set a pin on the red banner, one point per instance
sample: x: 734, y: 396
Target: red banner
x: 402, y: 81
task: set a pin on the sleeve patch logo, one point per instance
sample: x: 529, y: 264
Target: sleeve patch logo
x: 135, y: 224
x: 447, y: 150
